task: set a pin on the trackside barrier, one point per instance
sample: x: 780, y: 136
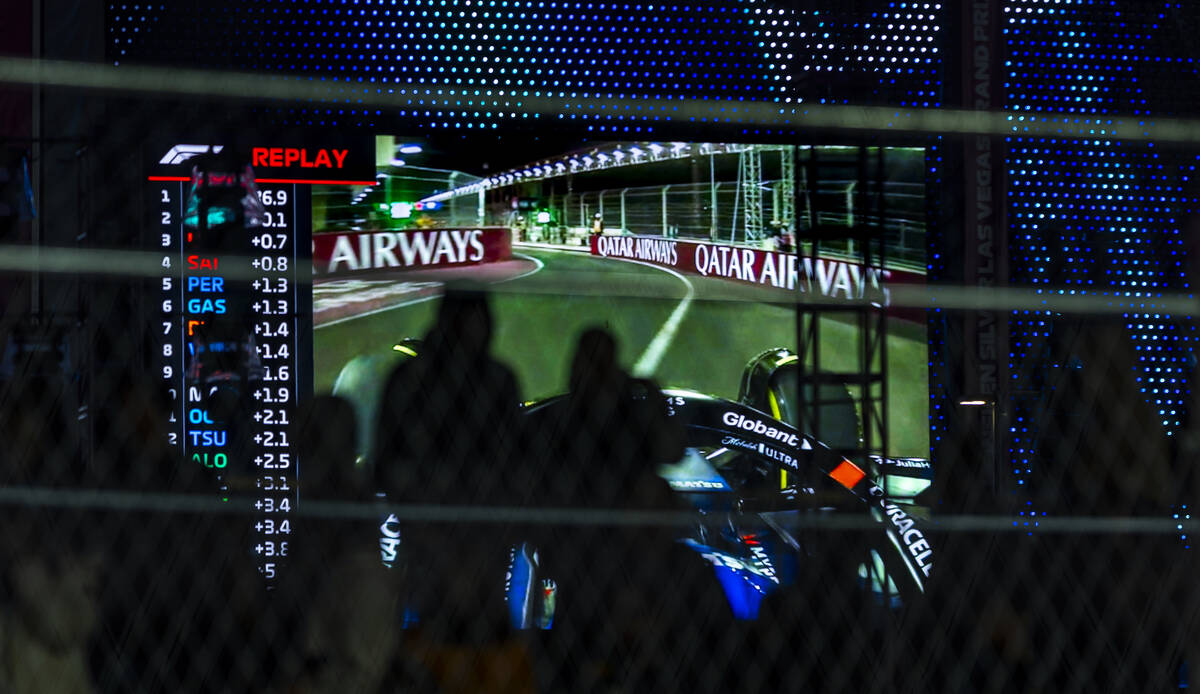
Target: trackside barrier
x: 372, y: 251
x: 830, y: 278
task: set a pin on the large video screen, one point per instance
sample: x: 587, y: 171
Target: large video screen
x: 745, y: 287
x: 685, y: 252
x: 701, y: 262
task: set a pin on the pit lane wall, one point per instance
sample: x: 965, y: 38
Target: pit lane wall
x: 826, y: 277
x: 362, y: 252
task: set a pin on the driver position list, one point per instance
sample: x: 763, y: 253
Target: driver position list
x: 231, y: 316
x: 228, y: 338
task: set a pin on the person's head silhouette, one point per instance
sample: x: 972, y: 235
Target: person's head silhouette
x: 464, y: 323
x: 595, y: 363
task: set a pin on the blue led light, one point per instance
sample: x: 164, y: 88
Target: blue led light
x: 741, y: 49
x: 1115, y: 204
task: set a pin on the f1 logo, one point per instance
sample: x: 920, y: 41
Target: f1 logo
x: 181, y: 153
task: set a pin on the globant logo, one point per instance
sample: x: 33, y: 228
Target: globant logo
x: 734, y: 419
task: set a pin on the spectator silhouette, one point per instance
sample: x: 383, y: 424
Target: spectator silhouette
x: 450, y: 418
x: 41, y: 431
x: 326, y: 435
x: 448, y: 434
x: 1101, y: 450
x: 1106, y: 604
x: 636, y: 609
x: 1104, y: 452
x: 178, y: 586
x: 612, y: 434
x: 50, y: 556
x: 348, y: 638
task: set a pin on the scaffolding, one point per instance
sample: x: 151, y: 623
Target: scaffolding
x: 784, y: 199
x: 824, y: 388
x: 750, y: 187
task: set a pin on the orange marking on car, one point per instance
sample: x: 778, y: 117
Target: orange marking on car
x: 847, y: 474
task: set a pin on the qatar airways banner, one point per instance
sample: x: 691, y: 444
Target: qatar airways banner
x: 827, y: 277
x: 372, y: 251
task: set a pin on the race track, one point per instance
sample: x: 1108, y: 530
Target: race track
x: 686, y: 332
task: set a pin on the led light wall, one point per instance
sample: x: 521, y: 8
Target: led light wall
x: 478, y: 63
x: 1086, y: 213
x: 1092, y: 215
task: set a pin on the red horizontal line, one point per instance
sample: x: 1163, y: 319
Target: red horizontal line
x: 276, y: 180
x: 324, y: 183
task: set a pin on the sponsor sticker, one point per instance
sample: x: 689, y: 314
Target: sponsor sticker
x: 761, y: 428
x: 697, y: 484
x: 847, y: 474
x: 914, y: 540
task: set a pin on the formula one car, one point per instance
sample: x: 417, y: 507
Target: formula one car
x: 762, y: 490
x: 770, y: 383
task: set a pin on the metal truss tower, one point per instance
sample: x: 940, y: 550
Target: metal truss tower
x: 825, y: 388
x: 786, y: 186
x: 750, y: 183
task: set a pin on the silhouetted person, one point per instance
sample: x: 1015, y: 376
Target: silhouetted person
x: 41, y: 431
x: 610, y: 435
x: 348, y: 637
x: 325, y: 431
x: 50, y: 555
x: 1054, y: 611
x: 448, y: 434
x: 1104, y: 453
x: 636, y: 609
x: 449, y: 422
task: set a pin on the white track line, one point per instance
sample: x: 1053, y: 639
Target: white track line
x: 552, y: 247
x: 423, y: 299
x: 648, y: 363
x: 346, y: 319
x: 535, y: 261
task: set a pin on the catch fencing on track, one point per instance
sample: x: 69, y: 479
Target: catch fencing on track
x: 475, y: 545
x: 709, y: 212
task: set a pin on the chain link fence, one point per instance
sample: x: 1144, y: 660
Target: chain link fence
x: 716, y: 212
x: 485, y: 495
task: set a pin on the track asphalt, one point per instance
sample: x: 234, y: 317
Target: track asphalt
x: 701, y: 343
